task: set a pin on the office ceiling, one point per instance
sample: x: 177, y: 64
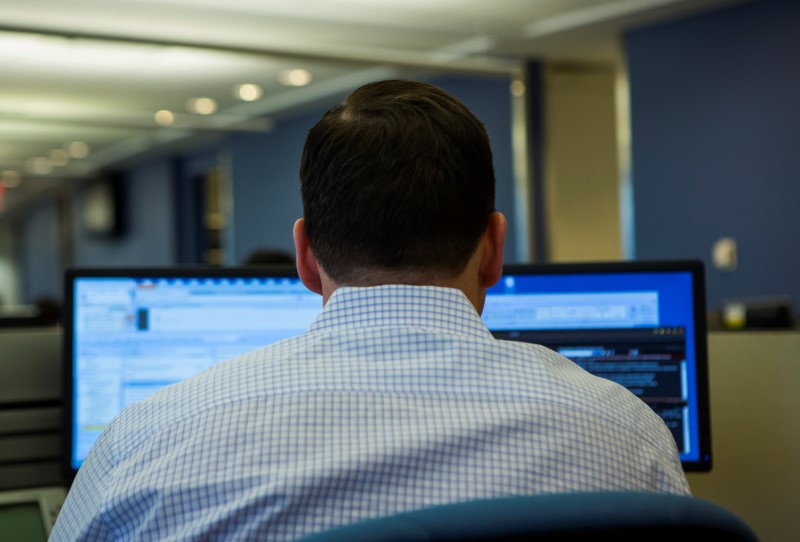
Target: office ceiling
x: 82, y: 82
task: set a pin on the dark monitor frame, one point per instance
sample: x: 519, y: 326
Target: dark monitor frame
x: 68, y: 357
x: 696, y: 269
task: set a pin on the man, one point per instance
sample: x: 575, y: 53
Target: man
x: 398, y: 397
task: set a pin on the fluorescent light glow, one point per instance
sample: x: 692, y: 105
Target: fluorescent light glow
x: 517, y: 88
x: 10, y: 178
x: 164, y: 117
x: 59, y: 157
x: 202, y: 106
x: 23, y: 44
x: 78, y: 149
x: 61, y: 54
x: 249, y: 92
x: 39, y: 166
x: 295, y: 78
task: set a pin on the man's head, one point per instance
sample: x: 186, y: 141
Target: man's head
x: 397, y: 184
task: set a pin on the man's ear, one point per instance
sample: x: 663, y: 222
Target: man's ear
x: 307, y: 267
x: 493, y: 242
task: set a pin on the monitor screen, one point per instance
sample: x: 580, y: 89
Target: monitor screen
x: 29, y: 514
x: 129, y: 332
x: 23, y: 521
x: 641, y: 324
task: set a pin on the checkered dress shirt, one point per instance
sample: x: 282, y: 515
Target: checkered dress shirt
x: 397, y: 398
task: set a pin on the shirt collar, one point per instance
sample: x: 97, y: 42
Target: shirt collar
x: 393, y: 305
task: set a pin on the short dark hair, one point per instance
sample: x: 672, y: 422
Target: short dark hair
x: 398, y: 177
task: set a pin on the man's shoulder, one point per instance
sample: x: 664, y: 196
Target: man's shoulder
x: 229, y: 381
x: 564, y: 381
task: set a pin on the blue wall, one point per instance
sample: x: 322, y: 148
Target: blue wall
x: 266, y: 189
x: 40, y: 250
x: 716, y: 143
x: 150, y: 235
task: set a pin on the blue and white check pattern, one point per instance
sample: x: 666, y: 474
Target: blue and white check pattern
x: 397, y: 398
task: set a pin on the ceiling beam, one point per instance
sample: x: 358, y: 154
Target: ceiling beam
x: 484, y: 64
x: 217, y: 122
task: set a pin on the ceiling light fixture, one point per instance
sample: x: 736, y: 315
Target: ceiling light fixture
x: 78, y: 149
x: 164, y: 117
x: 59, y: 157
x: 249, y: 92
x: 295, y: 78
x: 39, y: 165
x: 10, y: 178
x: 202, y: 106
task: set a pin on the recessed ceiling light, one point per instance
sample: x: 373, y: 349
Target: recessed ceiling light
x: 59, y: 157
x: 10, y: 178
x: 249, y: 92
x: 78, y: 149
x: 202, y: 106
x: 164, y: 117
x: 295, y: 78
x: 39, y: 165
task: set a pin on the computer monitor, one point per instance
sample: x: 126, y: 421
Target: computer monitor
x: 129, y: 332
x: 641, y: 324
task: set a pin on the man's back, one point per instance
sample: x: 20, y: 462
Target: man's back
x: 398, y: 398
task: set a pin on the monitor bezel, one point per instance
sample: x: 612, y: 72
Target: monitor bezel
x: 68, y: 322
x: 696, y: 268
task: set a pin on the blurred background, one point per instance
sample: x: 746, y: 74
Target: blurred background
x: 168, y: 132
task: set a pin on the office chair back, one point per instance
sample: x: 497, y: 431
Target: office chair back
x: 622, y: 516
